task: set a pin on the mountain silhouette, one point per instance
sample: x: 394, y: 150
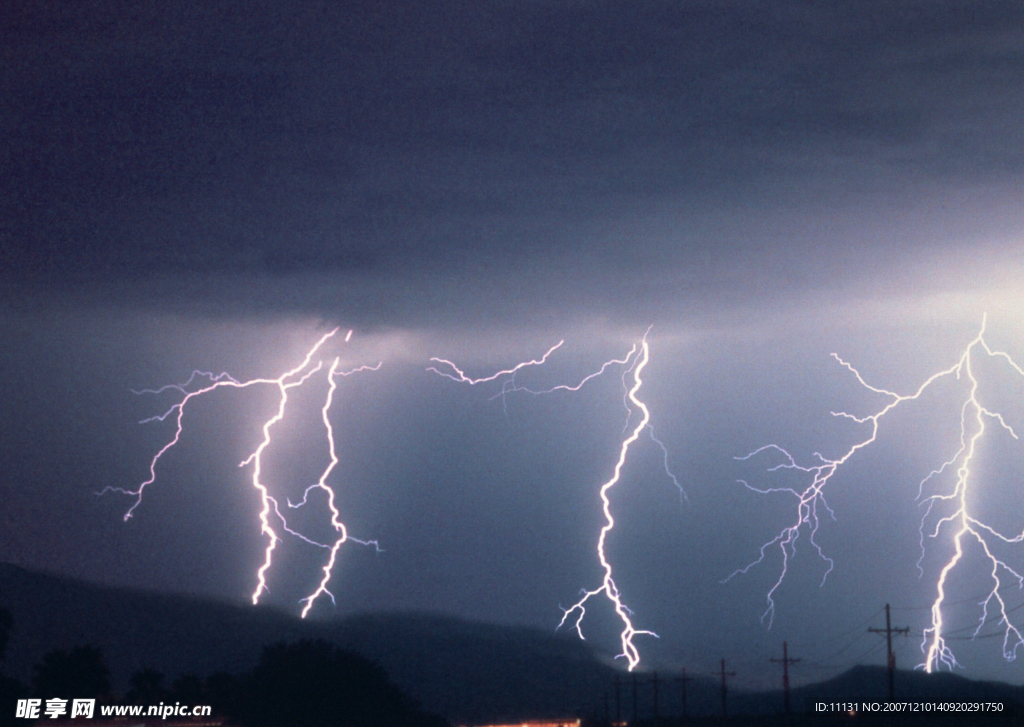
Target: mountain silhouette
x: 467, y: 672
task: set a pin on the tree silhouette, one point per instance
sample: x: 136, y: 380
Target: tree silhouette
x: 146, y: 687
x: 223, y: 692
x: 189, y: 689
x: 314, y: 684
x: 76, y: 674
x: 11, y: 690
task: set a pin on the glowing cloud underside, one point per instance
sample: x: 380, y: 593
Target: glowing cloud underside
x: 633, y: 362
x: 270, y: 512
x: 945, y: 513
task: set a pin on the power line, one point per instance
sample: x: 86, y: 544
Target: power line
x: 873, y: 649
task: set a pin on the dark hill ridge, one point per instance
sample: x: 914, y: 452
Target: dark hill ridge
x: 135, y: 629
x: 468, y: 672
x: 473, y: 672
x: 463, y: 670
x: 870, y: 684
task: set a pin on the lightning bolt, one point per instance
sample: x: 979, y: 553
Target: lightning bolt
x: 338, y: 526
x: 634, y: 362
x: 460, y: 376
x: 961, y: 526
x: 269, y: 508
x: 608, y: 587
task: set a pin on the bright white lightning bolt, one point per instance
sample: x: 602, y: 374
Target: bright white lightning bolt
x: 608, y: 587
x: 290, y: 379
x: 964, y: 526
x: 635, y: 363
x: 338, y: 526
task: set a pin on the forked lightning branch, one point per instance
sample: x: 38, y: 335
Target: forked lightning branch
x: 632, y: 364
x: 273, y: 522
x: 946, y: 495
x: 271, y: 518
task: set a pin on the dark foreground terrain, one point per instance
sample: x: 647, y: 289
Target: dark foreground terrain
x: 468, y: 673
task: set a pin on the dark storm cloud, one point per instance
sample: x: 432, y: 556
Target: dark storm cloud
x: 366, y: 139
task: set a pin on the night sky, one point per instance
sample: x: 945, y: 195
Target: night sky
x: 214, y: 186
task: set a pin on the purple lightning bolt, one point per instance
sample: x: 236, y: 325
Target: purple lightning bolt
x: 269, y: 510
x: 633, y: 362
x: 959, y: 524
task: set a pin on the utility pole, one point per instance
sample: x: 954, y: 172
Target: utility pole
x: 618, y: 701
x: 889, y: 631
x: 786, y: 661
x: 655, y: 680
x: 682, y: 684
x: 636, y: 715
x: 723, y: 673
